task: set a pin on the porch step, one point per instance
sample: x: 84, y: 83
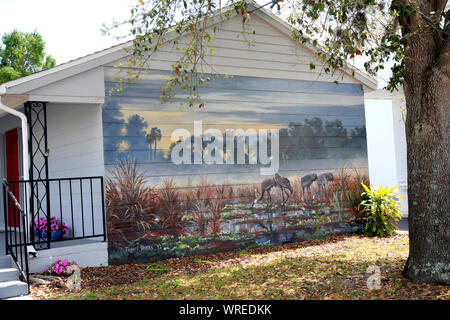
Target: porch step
x: 8, y: 274
x: 5, y: 261
x: 10, y: 285
x: 13, y: 288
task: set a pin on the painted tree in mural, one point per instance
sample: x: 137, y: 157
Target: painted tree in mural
x: 413, y: 34
x: 152, y: 138
x: 136, y: 125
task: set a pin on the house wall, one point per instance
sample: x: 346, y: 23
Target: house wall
x: 75, y: 146
x: 75, y: 140
x: 158, y: 209
x: 84, y: 87
x: 398, y: 116
x: 76, y: 150
x: 269, y: 86
x: 74, y: 132
x: 381, y: 148
x: 386, y: 140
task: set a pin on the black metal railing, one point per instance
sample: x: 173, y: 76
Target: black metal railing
x: 74, y: 208
x: 16, y: 227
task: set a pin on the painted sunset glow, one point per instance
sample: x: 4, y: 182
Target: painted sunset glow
x: 159, y: 208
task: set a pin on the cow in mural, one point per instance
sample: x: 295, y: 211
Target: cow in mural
x: 277, y: 181
x: 306, y: 181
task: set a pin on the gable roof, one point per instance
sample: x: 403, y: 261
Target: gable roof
x: 60, y: 72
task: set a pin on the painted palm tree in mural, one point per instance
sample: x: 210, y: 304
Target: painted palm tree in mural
x: 149, y: 138
x: 152, y: 138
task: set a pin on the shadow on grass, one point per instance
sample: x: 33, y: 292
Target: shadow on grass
x: 335, y: 269
x: 291, y: 278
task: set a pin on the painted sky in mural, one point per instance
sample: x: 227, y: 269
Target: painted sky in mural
x: 321, y: 125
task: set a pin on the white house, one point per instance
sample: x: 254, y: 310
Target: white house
x: 386, y: 140
x: 64, y: 141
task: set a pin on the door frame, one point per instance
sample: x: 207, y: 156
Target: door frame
x: 2, y: 177
x: 13, y: 172
x: 3, y: 170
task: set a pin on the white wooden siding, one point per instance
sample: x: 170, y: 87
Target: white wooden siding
x: 87, y: 87
x: 262, y: 52
x: 75, y: 141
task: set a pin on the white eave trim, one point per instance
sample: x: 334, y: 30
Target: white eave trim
x: 63, y: 71
x: 66, y: 99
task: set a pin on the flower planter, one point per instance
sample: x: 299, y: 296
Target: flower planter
x: 58, y: 229
x: 57, y: 235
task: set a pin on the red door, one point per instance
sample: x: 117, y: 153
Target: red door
x: 12, y: 172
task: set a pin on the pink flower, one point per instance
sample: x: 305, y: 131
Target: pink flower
x: 61, y: 267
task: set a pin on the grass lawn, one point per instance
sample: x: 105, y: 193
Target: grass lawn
x: 331, y: 268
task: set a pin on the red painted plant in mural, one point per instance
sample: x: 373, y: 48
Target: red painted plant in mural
x: 170, y: 213
x: 131, y: 204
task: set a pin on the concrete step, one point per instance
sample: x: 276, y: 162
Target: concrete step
x: 6, y: 261
x: 27, y: 297
x: 14, y: 288
x: 8, y: 274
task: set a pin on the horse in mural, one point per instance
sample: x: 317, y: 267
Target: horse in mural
x: 277, y: 181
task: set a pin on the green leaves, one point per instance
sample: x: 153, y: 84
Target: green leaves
x: 348, y: 28
x: 22, y: 54
x: 381, y: 210
x: 7, y: 74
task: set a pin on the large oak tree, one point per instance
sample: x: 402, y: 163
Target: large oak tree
x: 412, y: 35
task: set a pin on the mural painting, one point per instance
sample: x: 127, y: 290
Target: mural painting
x: 264, y: 162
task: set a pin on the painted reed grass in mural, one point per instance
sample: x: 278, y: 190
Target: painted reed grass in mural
x: 147, y: 223
x: 158, y: 209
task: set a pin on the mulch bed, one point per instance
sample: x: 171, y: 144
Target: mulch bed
x: 101, y: 277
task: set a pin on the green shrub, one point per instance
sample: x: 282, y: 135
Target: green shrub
x: 381, y: 210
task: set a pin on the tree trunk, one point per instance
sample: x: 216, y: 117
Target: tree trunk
x: 427, y: 93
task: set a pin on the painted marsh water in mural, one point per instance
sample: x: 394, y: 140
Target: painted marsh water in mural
x: 158, y: 207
